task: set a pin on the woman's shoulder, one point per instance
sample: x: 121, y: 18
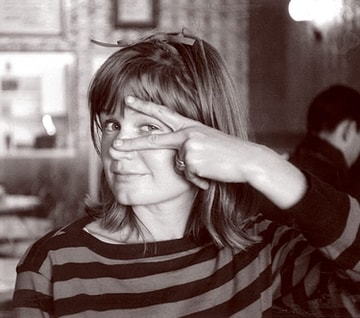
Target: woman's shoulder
x: 65, y: 236
x: 61, y: 234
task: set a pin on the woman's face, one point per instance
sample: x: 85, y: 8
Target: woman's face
x: 145, y: 177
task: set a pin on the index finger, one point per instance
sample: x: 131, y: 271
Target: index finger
x: 166, y: 115
x: 173, y: 140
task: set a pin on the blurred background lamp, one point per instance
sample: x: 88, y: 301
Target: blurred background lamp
x: 318, y: 11
x: 49, y: 125
x: 300, y: 10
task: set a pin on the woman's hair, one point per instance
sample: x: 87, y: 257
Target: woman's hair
x: 188, y: 75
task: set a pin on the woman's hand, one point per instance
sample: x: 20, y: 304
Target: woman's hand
x: 209, y: 154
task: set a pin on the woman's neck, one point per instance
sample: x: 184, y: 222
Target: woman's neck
x: 161, y: 222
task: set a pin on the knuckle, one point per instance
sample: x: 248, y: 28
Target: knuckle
x: 195, y: 133
x: 193, y: 145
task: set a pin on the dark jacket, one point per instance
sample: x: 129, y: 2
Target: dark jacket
x: 323, y: 160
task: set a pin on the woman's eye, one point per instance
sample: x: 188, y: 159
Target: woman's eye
x: 148, y: 128
x: 111, y: 126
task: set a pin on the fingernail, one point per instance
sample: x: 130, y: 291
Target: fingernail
x: 130, y: 99
x: 118, y: 142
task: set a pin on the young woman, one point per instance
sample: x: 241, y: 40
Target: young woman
x: 193, y: 219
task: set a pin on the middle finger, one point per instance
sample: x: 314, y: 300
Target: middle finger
x: 166, y: 115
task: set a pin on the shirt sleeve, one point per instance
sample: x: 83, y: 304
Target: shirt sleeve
x: 328, y: 219
x: 316, y: 256
x: 32, y: 296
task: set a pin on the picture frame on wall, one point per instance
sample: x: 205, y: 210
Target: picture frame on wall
x: 135, y: 13
x: 31, y: 17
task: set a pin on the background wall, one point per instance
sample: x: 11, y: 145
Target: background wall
x: 290, y: 62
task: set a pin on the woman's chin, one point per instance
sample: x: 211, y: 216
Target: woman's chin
x: 129, y: 200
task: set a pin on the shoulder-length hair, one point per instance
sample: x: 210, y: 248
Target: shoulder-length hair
x: 188, y: 75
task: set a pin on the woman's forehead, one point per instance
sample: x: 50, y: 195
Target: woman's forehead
x: 121, y: 109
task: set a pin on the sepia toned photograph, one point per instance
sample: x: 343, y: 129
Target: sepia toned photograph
x: 193, y: 158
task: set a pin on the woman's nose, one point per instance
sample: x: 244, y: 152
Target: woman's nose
x: 117, y: 154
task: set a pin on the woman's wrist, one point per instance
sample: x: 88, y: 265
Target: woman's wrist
x: 276, y: 178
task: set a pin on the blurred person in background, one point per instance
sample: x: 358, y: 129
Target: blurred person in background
x: 332, y: 143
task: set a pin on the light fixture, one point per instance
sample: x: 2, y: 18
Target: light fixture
x: 320, y: 12
x: 300, y: 10
x: 49, y: 125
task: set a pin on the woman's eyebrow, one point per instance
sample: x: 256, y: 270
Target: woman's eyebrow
x: 140, y: 114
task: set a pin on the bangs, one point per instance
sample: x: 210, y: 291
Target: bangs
x: 148, y: 82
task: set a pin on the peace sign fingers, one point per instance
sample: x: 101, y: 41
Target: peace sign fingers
x: 166, y: 115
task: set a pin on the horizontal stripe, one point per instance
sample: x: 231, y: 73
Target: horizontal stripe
x: 146, y: 283
x: 282, y: 252
x: 254, y: 310
x: 82, y: 254
x: 27, y: 312
x: 124, y: 271
x: 282, y: 236
x: 219, y: 300
x: 312, y: 280
x: 301, y: 265
x: 33, y: 299
x: 242, y: 300
x: 354, y: 275
x: 34, y: 281
x: 193, y: 288
x: 347, y: 238
x: 75, y: 236
x: 287, y: 271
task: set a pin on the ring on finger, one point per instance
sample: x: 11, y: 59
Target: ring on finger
x: 180, y: 164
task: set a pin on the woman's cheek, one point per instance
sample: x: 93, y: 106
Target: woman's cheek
x: 106, y: 143
x: 162, y: 158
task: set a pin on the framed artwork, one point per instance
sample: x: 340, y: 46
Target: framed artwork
x: 31, y: 17
x: 135, y: 13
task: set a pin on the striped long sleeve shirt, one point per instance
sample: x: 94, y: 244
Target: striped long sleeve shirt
x: 309, y: 268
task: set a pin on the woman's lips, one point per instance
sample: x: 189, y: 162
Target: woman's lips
x: 128, y: 176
